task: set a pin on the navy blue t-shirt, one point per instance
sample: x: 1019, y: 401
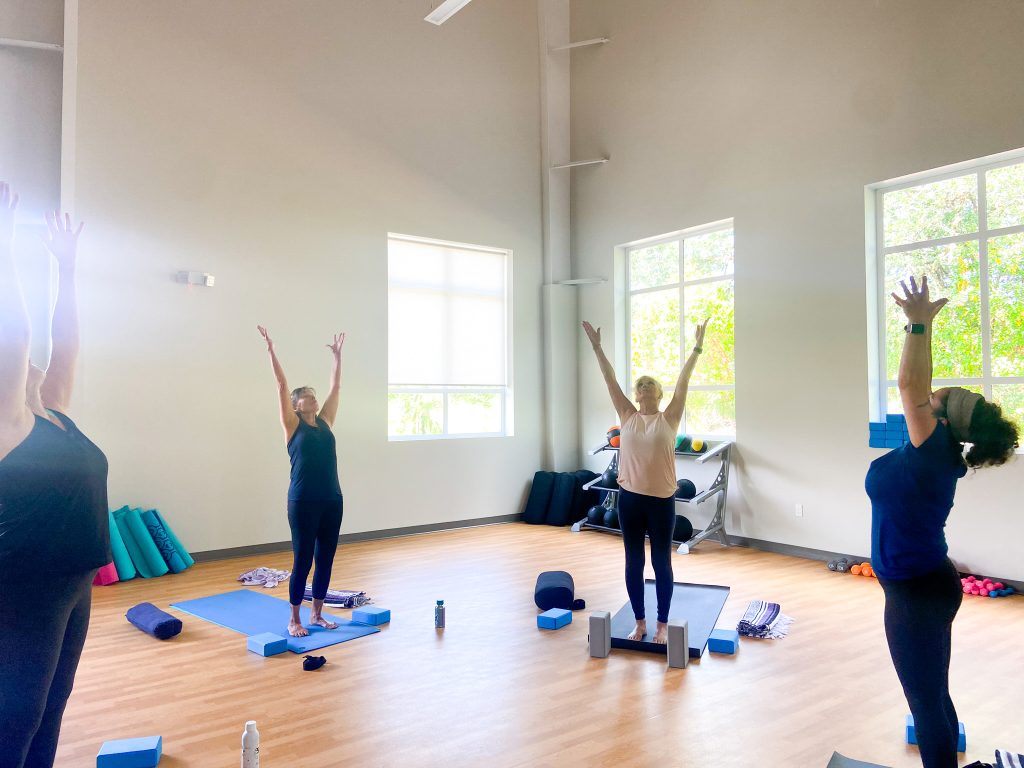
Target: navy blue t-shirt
x: 314, y: 463
x: 911, y: 491
x: 53, y: 504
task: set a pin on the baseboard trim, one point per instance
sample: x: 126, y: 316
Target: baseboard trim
x: 350, y: 538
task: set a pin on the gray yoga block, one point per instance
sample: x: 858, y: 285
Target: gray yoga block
x: 600, y: 634
x: 678, y: 644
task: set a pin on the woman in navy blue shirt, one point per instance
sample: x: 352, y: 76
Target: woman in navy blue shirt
x: 911, y: 490
x: 315, y: 502
x: 53, y: 509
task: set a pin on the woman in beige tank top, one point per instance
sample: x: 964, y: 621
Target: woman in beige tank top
x: 647, y: 479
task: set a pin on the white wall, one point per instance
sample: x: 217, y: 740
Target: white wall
x: 274, y: 145
x: 778, y: 114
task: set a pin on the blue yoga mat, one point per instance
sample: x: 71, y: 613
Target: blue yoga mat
x: 252, y: 613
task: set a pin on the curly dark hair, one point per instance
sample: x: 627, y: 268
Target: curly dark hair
x: 993, y: 436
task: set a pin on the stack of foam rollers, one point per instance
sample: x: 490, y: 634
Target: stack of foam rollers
x: 143, y: 545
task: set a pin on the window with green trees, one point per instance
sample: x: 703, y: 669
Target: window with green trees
x: 674, y: 283
x: 964, y: 228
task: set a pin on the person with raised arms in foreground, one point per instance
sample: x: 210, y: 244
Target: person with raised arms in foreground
x: 911, y: 490
x: 647, y: 478
x: 315, y: 503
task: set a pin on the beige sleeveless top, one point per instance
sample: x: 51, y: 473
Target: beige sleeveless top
x: 647, y: 455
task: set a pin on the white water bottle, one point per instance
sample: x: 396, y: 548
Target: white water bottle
x: 250, y: 746
x: 439, y: 614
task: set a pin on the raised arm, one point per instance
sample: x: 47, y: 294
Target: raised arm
x: 915, y: 376
x: 62, y: 242
x: 329, y: 410
x: 621, y: 403
x: 15, y: 331
x: 289, y: 419
x: 674, y: 410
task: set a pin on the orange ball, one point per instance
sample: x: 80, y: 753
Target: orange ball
x: 614, y: 442
x: 867, y: 570
x: 855, y: 570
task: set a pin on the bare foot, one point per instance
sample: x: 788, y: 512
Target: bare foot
x: 661, y: 633
x: 297, y: 630
x: 320, y: 621
x: 638, y: 631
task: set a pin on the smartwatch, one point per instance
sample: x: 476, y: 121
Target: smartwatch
x: 914, y: 328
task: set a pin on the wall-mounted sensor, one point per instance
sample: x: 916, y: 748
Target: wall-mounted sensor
x: 196, y: 278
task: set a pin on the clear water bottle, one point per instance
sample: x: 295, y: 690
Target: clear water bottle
x: 250, y: 746
x: 439, y: 614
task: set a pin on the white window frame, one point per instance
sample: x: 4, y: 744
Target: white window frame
x: 678, y: 236
x: 878, y: 382
x: 505, y: 391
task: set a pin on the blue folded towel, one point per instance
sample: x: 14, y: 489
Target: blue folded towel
x: 153, y: 621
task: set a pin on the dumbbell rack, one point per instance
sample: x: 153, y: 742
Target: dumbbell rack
x: 719, y: 489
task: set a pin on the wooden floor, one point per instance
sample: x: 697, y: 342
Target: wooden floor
x: 493, y: 690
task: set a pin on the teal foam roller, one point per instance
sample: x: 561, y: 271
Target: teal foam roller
x: 371, y: 614
x: 266, y: 644
x: 556, y: 618
x: 130, y: 753
x: 961, y: 739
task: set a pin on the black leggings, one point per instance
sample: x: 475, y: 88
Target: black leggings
x: 42, y: 630
x: 641, y: 516
x: 919, y: 615
x: 315, y: 526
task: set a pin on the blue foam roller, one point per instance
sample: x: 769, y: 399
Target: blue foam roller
x: 130, y: 753
x: 961, y: 739
x: 723, y: 641
x: 555, y: 618
x: 371, y: 614
x: 266, y: 644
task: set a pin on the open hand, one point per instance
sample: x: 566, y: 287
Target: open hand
x: 61, y: 238
x: 701, y: 330
x: 915, y: 303
x: 266, y: 337
x: 8, y: 204
x: 335, y: 346
x: 593, y: 334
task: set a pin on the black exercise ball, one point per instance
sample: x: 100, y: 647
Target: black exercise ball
x: 684, y: 529
x: 609, y: 479
x: 595, y: 515
x: 611, y: 518
x: 685, y: 489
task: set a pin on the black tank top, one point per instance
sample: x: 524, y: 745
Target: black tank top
x: 314, y: 463
x: 53, y: 504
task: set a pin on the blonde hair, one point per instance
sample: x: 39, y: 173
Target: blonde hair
x: 651, y: 380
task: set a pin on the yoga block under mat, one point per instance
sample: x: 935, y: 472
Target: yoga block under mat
x: 371, y: 614
x: 130, y: 753
x: 961, y: 739
x: 106, y: 575
x: 600, y: 634
x: 839, y: 761
x: 697, y: 604
x: 723, y: 641
x: 266, y: 644
x: 555, y: 618
x: 253, y: 613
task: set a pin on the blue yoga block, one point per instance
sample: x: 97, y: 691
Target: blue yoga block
x: 876, y: 441
x: 876, y: 426
x: 895, y: 418
x: 556, y: 618
x: 961, y: 739
x: 723, y: 641
x: 893, y: 442
x: 371, y: 614
x: 266, y: 644
x: 130, y: 753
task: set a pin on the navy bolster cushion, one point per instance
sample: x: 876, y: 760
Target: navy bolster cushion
x: 153, y: 621
x: 554, y: 590
x: 536, y: 510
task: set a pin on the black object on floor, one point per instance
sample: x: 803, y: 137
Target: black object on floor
x: 839, y: 761
x: 309, y: 663
x: 699, y: 605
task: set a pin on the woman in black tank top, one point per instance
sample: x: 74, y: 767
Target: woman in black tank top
x: 53, y: 510
x: 315, y: 502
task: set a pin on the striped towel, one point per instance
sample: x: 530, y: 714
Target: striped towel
x: 1007, y: 759
x: 764, y: 619
x: 268, y: 577
x: 340, y: 598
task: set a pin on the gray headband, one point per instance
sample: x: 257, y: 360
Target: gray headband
x: 959, y: 409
